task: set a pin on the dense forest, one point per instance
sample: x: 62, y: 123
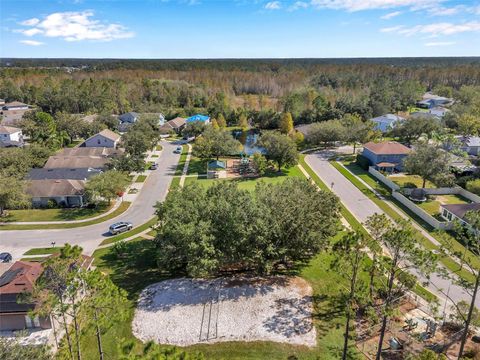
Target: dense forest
x: 310, y: 89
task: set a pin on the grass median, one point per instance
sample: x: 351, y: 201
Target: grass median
x: 118, y: 211
x: 130, y: 233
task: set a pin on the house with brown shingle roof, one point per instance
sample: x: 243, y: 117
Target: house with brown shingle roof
x: 105, y: 138
x: 386, y: 156
x: 64, y: 192
x: 176, y: 125
x: 20, y: 278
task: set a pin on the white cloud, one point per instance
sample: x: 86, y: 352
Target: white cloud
x: 30, y: 22
x: 358, y: 5
x: 437, y: 29
x: 446, y: 11
x: 31, y: 42
x: 298, y: 5
x: 273, y: 5
x: 390, y: 15
x: 391, y: 29
x: 440, y: 43
x: 76, y: 26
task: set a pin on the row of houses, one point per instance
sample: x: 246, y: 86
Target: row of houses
x: 12, y: 112
x: 63, y: 177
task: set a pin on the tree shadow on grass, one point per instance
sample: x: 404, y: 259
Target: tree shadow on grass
x: 328, y: 310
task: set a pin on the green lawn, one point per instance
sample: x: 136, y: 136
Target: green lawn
x: 141, y: 178
x: 159, y: 148
x: 432, y: 205
x: 42, y: 251
x: 154, y: 156
x: 249, y: 183
x: 411, y: 181
x: 121, y: 209
x: 197, y: 166
x: 54, y: 214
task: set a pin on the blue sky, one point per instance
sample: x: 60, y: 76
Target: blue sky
x: 239, y: 28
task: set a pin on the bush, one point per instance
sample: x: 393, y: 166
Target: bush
x: 363, y: 162
x: 51, y: 204
x: 474, y: 186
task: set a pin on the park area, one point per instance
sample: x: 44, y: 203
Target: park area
x: 196, y: 311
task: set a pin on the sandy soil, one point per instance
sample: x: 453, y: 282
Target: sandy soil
x: 190, y: 311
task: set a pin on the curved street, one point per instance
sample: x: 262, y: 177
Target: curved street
x: 140, y: 211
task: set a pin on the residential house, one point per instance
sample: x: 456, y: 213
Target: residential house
x: 176, y: 125
x: 386, y: 156
x: 438, y: 111
x: 470, y: 144
x: 430, y: 100
x: 202, y: 118
x: 105, y: 138
x: 15, y: 105
x: 76, y: 162
x: 387, y: 122
x: 20, y: 278
x: 2, y: 102
x: 63, y: 192
x: 62, y: 174
x: 126, y: 120
x: 12, y: 117
x: 91, y: 151
x: 452, y: 212
x: 10, y: 136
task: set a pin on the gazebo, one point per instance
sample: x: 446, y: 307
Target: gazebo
x: 216, y: 169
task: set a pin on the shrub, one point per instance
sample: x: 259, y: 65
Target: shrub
x: 474, y: 186
x: 362, y: 161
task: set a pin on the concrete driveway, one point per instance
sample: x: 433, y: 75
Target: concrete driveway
x: 362, y: 207
x: 140, y: 211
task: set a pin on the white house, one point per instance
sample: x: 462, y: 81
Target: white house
x: 470, y: 144
x: 105, y: 138
x: 11, y: 136
x: 452, y: 212
x: 387, y: 122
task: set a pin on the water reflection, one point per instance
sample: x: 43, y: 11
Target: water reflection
x: 249, y: 140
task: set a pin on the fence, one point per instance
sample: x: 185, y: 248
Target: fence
x: 429, y: 219
x: 383, y: 179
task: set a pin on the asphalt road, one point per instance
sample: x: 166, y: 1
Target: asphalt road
x: 362, y: 207
x: 140, y: 211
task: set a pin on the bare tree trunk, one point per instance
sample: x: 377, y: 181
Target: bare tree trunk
x: 99, y: 338
x: 55, y: 335
x: 385, y: 316
x: 67, y: 334
x: 424, y: 183
x: 77, y: 330
x: 353, y: 283
x: 372, y: 276
x: 469, y: 317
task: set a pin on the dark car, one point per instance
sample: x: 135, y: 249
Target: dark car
x: 5, y: 257
x: 178, y: 150
x: 120, y: 227
x: 153, y: 166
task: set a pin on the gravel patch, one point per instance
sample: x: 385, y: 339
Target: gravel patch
x: 190, y: 311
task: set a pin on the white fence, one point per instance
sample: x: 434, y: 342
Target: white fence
x: 429, y: 219
x: 383, y: 178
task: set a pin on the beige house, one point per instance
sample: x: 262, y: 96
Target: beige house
x: 64, y: 192
x: 105, y: 138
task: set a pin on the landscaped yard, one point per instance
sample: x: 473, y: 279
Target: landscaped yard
x: 197, y: 166
x: 249, y: 183
x: 432, y: 205
x: 31, y: 215
x: 411, y: 181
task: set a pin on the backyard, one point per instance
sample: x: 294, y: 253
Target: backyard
x: 410, y: 181
x: 432, y: 205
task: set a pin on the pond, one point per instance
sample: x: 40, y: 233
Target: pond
x: 249, y: 140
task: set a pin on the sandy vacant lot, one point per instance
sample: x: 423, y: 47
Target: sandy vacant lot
x: 190, y: 311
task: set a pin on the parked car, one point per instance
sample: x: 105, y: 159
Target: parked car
x: 153, y: 166
x: 5, y: 257
x: 120, y: 227
x: 178, y: 150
